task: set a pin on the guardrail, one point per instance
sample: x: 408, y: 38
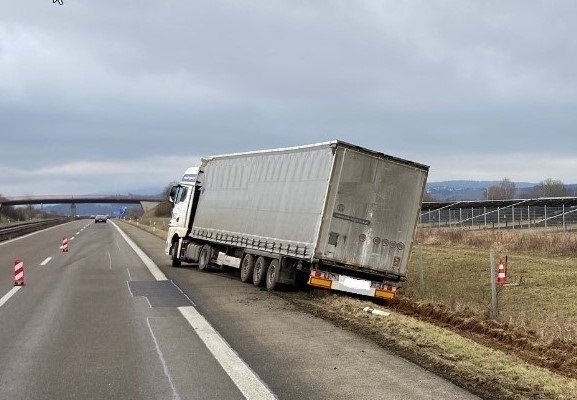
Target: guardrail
x: 13, y: 231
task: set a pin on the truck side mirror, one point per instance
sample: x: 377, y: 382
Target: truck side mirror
x: 172, y: 194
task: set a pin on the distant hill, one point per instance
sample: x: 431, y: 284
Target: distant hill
x: 477, y: 190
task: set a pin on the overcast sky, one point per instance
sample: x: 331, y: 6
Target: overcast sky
x: 116, y: 96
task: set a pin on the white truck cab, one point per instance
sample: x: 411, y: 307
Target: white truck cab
x: 180, y: 196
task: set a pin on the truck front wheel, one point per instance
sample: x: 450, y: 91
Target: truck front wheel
x: 176, y: 263
x: 246, y: 267
x: 260, y: 269
x: 204, y: 257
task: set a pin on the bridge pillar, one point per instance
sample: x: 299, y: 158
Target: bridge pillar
x: 73, y: 210
x: 147, y: 205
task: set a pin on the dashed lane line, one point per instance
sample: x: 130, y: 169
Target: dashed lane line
x: 8, y: 295
x: 46, y: 261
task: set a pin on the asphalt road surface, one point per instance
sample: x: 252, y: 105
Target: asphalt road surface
x: 111, y: 319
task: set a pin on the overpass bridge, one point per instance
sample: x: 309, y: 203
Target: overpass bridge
x: 145, y: 201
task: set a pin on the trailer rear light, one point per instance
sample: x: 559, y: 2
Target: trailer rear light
x: 390, y: 288
x: 324, y: 275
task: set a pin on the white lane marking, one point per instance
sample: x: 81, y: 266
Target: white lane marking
x: 251, y: 386
x: 77, y: 233
x: 8, y: 295
x: 72, y: 238
x: 247, y: 381
x: 175, y: 394
x: 46, y: 261
x: 129, y: 277
x: 154, y: 270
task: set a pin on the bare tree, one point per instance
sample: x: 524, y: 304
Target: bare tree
x: 13, y: 213
x: 168, y: 188
x: 164, y: 209
x: 551, y: 188
x: 504, y: 190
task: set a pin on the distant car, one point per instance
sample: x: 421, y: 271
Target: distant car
x: 100, y: 218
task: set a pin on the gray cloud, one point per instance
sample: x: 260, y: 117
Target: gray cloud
x: 446, y: 83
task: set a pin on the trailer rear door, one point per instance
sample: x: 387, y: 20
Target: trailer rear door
x: 371, y: 211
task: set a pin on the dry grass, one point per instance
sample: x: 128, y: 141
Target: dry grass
x: 155, y: 225
x: 456, y: 265
x: 527, y: 241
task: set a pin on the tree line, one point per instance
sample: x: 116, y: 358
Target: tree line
x: 506, y: 189
x: 11, y: 213
x: 546, y: 188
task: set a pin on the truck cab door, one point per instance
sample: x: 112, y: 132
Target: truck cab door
x: 179, y: 197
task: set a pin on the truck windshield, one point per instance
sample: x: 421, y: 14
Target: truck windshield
x: 181, y: 194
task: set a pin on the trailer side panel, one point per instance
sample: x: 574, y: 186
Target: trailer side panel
x: 271, y: 201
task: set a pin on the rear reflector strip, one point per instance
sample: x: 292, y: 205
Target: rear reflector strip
x: 384, y: 294
x: 320, y: 282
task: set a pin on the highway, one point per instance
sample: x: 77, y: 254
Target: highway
x: 110, y: 319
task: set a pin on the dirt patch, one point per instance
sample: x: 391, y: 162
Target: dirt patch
x: 460, y: 367
x: 555, y: 355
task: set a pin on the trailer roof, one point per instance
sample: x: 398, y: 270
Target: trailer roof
x: 332, y: 143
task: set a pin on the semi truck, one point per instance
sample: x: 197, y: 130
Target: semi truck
x: 332, y: 215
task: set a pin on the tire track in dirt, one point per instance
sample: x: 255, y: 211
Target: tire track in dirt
x: 555, y: 355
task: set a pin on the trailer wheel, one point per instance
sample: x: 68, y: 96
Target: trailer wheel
x: 204, y: 257
x: 246, y: 267
x: 272, y: 274
x: 260, y: 269
x: 176, y: 263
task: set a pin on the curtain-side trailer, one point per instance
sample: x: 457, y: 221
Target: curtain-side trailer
x: 341, y: 216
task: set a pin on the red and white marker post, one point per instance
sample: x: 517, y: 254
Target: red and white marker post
x: 64, y: 245
x: 501, y: 274
x: 18, y: 273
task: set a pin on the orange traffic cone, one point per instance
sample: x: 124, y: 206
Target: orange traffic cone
x: 501, y: 275
x: 64, y: 245
x: 18, y: 273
